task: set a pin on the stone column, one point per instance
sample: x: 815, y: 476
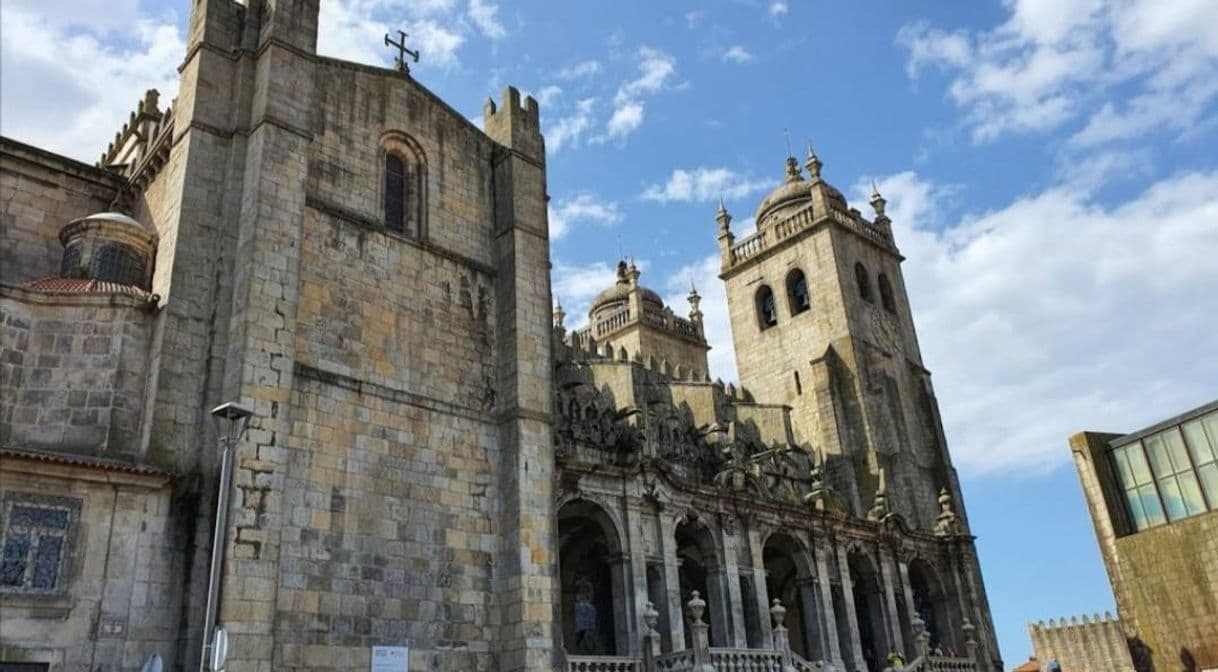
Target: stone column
x: 814, y: 632
x: 760, y: 592
x: 735, y: 634
x: 843, y: 567
x: 672, y: 582
x: 907, y: 590
x: 624, y: 616
x: 638, y: 574
x: 826, y: 593
x: 893, y: 619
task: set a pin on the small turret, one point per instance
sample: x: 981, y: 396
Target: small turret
x: 813, y: 164
x: 559, y: 314
x: 695, y: 311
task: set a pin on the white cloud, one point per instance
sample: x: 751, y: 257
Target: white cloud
x: 655, y: 67
x: 567, y: 131
x: 486, y: 17
x: 548, y: 94
x: 778, y: 8
x: 704, y: 273
x: 575, y: 287
x: 1110, y: 330
x: 704, y: 184
x: 627, y: 117
x: 1128, y: 67
x: 737, y: 54
x: 96, y: 80
x: 629, y: 110
x: 585, y: 207
x: 350, y: 30
x: 581, y: 70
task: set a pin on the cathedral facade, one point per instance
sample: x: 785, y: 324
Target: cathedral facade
x: 433, y: 460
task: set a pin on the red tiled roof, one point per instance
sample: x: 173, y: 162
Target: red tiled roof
x: 84, y: 286
x: 104, y: 463
x: 1030, y: 666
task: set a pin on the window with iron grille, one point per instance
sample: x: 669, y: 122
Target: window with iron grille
x: 36, y: 542
x: 70, y: 267
x: 119, y: 263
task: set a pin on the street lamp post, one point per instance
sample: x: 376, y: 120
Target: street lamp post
x: 233, y: 418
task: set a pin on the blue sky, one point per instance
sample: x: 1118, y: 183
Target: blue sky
x: 1051, y: 169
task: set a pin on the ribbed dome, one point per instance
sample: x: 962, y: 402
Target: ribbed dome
x: 620, y: 292
x: 791, y: 194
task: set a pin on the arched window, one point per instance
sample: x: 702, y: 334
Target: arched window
x: 395, y: 193
x: 767, y: 310
x: 864, y: 282
x: 404, y: 197
x: 797, y: 292
x: 886, y: 299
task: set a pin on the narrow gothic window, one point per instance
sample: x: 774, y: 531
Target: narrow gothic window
x: 797, y: 292
x: 799, y: 387
x: 886, y: 295
x: 35, y: 542
x: 864, y: 282
x: 767, y: 310
x: 395, y: 193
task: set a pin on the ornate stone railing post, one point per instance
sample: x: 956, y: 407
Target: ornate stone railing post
x: 921, y: 637
x: 698, y: 632
x: 782, y: 640
x: 970, y: 643
x: 651, y: 638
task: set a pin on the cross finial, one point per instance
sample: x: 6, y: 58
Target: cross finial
x: 787, y: 134
x: 403, y: 52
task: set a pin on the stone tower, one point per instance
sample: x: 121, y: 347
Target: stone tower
x: 821, y: 322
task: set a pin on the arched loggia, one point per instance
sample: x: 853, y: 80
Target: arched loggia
x: 868, y: 593
x: 593, y: 605
x: 700, y: 569
x: 790, y: 578
x: 930, y: 603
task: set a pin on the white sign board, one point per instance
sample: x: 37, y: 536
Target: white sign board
x: 390, y: 659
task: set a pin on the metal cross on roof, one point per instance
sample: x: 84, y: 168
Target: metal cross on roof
x: 403, y: 52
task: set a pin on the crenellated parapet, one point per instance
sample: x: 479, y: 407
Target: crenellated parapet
x: 1095, y: 642
x: 141, y: 147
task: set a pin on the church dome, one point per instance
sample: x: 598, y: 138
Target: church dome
x: 617, y: 295
x: 792, y: 194
x: 110, y: 247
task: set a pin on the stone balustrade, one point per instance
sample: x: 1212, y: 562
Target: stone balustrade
x: 746, y: 660
x: 750, y: 246
x: 603, y: 664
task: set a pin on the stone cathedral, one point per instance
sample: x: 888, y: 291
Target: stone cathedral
x: 434, y: 460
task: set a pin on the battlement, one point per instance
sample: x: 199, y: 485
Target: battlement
x: 1089, y: 643
x: 514, y: 124
x: 140, y: 147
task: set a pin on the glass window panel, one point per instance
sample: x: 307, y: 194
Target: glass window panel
x: 1211, y: 428
x: 1209, y: 482
x: 1199, y: 443
x: 13, y: 559
x: 1172, y: 499
x: 1121, y: 460
x: 1176, y: 451
x: 46, y: 562
x: 1190, y: 492
x: 1136, y: 513
x: 39, y: 516
x: 1137, y: 464
x: 1150, y: 503
x: 1156, y: 450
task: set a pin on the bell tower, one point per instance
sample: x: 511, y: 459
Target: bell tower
x: 821, y: 322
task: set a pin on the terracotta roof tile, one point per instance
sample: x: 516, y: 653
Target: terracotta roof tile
x: 83, y: 286
x: 104, y: 463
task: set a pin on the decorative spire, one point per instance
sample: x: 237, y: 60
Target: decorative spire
x: 813, y: 164
x: 724, y: 219
x: 622, y: 272
x: 877, y: 201
x: 793, y: 170
x: 633, y: 274
x: 695, y: 313
x: 559, y: 313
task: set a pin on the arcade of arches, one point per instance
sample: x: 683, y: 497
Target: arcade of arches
x: 849, y: 600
